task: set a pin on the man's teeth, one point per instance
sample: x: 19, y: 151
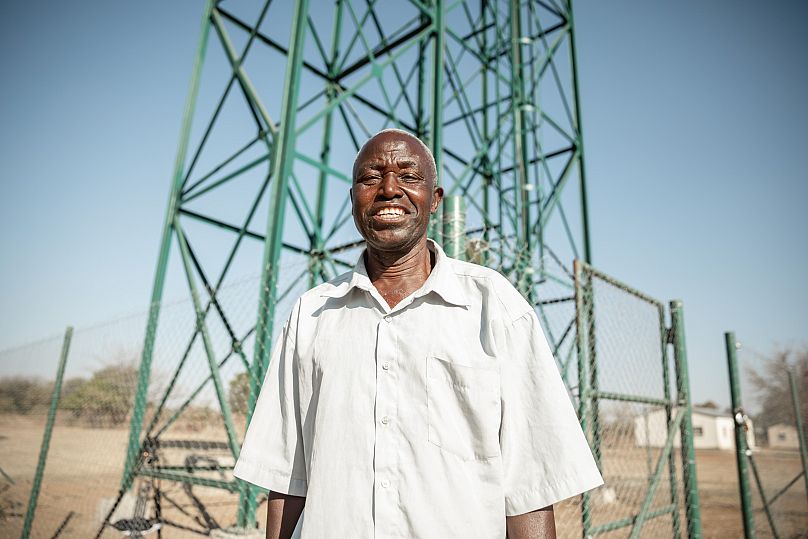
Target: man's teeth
x: 390, y: 211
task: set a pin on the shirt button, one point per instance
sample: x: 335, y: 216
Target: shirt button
x: 388, y: 319
x: 385, y: 483
x: 386, y: 365
x: 385, y: 420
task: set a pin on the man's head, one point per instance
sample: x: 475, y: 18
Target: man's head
x: 394, y: 190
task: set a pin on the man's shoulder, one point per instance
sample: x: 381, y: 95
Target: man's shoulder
x: 323, y: 290
x: 491, y: 281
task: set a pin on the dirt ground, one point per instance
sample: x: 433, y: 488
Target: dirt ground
x: 84, y: 466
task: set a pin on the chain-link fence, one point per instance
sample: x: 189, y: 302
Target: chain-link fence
x: 182, y: 480
x: 769, y: 407
x: 620, y: 352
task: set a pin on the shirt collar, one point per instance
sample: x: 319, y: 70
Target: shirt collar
x: 442, y: 280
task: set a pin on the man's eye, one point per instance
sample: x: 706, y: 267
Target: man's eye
x: 369, y: 180
x: 410, y: 178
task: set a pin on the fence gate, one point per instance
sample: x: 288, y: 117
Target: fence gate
x: 634, y: 406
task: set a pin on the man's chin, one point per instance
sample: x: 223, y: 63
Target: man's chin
x: 393, y: 240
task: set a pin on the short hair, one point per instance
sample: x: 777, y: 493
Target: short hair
x: 424, y: 147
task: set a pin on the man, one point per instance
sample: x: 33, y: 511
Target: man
x: 415, y: 396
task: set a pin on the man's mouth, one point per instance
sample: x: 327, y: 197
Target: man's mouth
x: 390, y: 213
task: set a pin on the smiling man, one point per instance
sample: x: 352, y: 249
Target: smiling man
x: 415, y: 396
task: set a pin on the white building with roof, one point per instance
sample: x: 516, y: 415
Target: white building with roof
x: 711, y: 430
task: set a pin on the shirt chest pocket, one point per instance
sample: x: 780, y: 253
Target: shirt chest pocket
x: 463, y: 409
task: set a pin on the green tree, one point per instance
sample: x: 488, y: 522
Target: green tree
x: 24, y: 394
x: 104, y: 399
x: 239, y: 393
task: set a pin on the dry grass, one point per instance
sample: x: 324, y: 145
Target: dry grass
x: 84, y: 468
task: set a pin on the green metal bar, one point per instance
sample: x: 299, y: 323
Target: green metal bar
x: 583, y: 384
x: 645, y: 509
x: 210, y: 354
x: 795, y: 401
x: 282, y: 164
x: 629, y: 521
x: 766, y: 503
x: 191, y: 479
x: 139, y: 406
x: 672, y: 474
x: 683, y: 396
x: 436, y: 119
x: 785, y: 488
x: 521, y: 180
x: 628, y: 398
x: 621, y: 285
x: 454, y: 227
x: 741, y: 450
x: 589, y: 307
x: 580, y: 138
x: 46, y: 437
x: 317, y: 241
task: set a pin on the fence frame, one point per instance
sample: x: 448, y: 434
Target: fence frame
x: 588, y: 411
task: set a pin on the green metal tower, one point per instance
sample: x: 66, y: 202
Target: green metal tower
x: 282, y: 95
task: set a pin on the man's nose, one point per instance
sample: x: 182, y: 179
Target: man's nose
x: 389, y: 187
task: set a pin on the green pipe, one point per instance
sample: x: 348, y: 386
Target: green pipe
x: 795, y: 400
x: 139, y: 405
x: 579, y: 138
x: 645, y: 509
x: 454, y: 227
x: 436, y: 118
x: 671, y: 509
x: 583, y: 383
x: 282, y: 165
x: 674, y: 485
x: 692, y: 504
x: 46, y: 437
x: 741, y: 450
x: 766, y: 503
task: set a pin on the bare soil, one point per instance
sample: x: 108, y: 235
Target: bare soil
x: 84, y: 470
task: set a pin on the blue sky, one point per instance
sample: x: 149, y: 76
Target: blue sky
x: 694, y: 124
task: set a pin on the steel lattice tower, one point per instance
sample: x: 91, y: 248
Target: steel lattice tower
x: 281, y: 97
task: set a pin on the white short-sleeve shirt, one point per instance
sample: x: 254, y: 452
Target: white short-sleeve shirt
x: 436, y: 418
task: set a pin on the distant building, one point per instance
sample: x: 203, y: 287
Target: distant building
x: 782, y: 436
x: 711, y: 430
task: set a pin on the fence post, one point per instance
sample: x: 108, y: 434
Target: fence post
x: 683, y: 398
x: 739, y: 417
x: 795, y: 400
x: 583, y: 383
x: 43, y: 451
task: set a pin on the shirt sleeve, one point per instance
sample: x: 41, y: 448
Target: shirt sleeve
x: 272, y: 455
x: 545, y: 455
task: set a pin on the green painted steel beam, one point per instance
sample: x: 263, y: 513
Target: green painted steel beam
x: 741, y: 449
x: 692, y: 504
x: 144, y: 371
x: 56, y: 394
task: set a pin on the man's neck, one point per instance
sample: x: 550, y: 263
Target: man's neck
x: 396, y: 275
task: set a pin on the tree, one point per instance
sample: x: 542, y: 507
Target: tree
x: 239, y: 393
x: 772, y: 388
x: 104, y: 399
x: 24, y: 394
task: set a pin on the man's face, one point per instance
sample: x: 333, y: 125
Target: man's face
x: 393, y: 192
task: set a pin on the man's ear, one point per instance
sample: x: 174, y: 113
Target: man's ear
x: 350, y: 195
x: 437, y: 196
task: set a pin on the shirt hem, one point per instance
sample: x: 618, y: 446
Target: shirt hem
x: 540, y: 497
x: 279, y: 482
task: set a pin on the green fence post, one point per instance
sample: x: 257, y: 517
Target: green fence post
x: 454, y: 227
x: 740, y: 436
x: 795, y: 400
x: 43, y: 451
x: 683, y: 397
x: 583, y: 383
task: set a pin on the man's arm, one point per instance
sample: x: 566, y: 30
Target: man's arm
x: 283, y: 512
x: 539, y: 524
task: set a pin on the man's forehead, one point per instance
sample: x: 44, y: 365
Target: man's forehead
x: 394, y: 149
